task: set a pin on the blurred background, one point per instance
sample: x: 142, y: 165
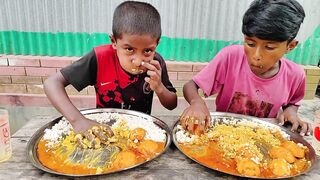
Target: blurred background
x: 193, y: 30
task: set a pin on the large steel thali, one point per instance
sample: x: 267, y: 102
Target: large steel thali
x: 33, y: 142
x: 220, y: 117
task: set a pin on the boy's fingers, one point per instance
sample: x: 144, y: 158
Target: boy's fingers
x: 295, y: 126
x: 183, y: 122
x: 151, y: 73
x: 281, y: 119
x: 147, y: 79
x: 149, y: 66
x: 208, y: 120
x: 190, y: 124
x: 156, y: 64
x: 309, y: 129
x: 304, y: 128
x: 183, y: 119
x: 202, y: 124
x: 107, y: 129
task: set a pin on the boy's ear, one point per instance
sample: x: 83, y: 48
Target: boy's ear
x: 113, y: 41
x: 292, y: 45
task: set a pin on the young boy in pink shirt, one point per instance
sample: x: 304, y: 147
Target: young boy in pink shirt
x: 254, y: 79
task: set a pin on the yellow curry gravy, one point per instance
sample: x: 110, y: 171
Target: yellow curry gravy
x: 145, y: 150
x: 209, y: 155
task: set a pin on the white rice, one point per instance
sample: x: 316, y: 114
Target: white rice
x: 184, y: 136
x: 103, y: 117
x: 55, y: 134
x: 154, y: 132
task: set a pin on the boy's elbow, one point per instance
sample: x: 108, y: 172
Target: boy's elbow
x: 52, y: 82
x: 47, y: 84
x: 174, y: 104
x: 172, y: 107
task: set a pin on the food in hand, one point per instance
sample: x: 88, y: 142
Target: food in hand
x: 93, y: 138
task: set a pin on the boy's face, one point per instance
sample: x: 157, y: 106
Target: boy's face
x: 264, y: 55
x: 133, y: 49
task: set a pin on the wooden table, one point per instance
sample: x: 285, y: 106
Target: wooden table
x: 170, y: 165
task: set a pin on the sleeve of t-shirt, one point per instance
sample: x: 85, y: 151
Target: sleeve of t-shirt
x: 83, y: 72
x: 212, y: 77
x: 298, y: 94
x: 164, y: 74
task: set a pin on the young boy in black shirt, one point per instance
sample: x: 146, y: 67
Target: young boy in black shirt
x: 125, y: 73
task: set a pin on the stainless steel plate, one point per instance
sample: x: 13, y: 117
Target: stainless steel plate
x: 33, y: 142
x: 218, y: 117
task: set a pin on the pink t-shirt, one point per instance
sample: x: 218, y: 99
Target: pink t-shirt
x: 241, y: 91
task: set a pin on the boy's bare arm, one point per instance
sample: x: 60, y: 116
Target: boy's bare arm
x: 54, y: 88
x: 190, y: 93
x: 167, y: 98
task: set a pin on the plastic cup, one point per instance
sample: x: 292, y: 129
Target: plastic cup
x: 5, y: 143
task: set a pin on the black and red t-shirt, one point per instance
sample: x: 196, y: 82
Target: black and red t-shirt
x: 115, y: 88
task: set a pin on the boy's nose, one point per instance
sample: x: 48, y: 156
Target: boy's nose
x: 137, y: 61
x: 257, y: 55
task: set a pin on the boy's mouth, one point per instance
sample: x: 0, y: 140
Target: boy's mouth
x: 137, y: 70
x: 256, y: 66
x: 256, y: 69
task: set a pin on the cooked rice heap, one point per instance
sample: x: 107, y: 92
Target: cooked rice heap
x: 236, y: 138
x: 233, y: 140
x: 56, y: 134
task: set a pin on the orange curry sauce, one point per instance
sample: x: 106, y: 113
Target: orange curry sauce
x: 124, y: 159
x: 209, y: 155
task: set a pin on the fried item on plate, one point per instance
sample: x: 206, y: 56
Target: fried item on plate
x: 300, y: 164
x: 125, y: 159
x: 248, y: 167
x: 147, y: 147
x: 280, y: 167
x: 294, y: 148
x: 137, y: 133
x: 282, y: 153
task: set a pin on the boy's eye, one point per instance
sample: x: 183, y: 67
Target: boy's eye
x: 148, y: 51
x: 129, y: 49
x: 250, y: 44
x: 270, y: 48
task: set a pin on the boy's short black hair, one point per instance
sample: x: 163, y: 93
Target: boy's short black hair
x: 276, y: 20
x: 136, y: 18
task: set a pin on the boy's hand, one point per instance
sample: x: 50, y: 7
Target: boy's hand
x: 197, y: 114
x: 82, y: 125
x: 290, y: 115
x: 154, y: 73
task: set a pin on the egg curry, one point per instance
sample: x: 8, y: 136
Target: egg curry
x: 246, y: 151
x: 98, y: 152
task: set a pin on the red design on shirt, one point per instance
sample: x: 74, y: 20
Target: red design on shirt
x: 243, y: 104
x: 116, y: 88
x: 118, y: 97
